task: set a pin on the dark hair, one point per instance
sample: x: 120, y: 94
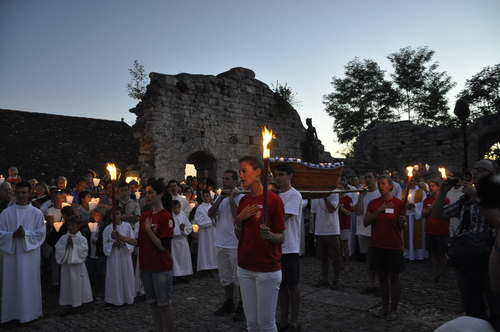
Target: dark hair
x: 344, y: 184
x: 44, y: 186
x: 119, y: 209
x: 387, y: 177
x: 24, y: 184
x: 437, y: 182
x: 233, y: 173
x: 134, y: 183
x: 166, y: 199
x: 82, y: 195
x: 68, y: 211
x: 285, y: 167
x: 80, y: 179
x: 124, y: 184
x: 373, y: 172
x: 74, y: 219
x: 253, y: 161
x: 493, y: 164
x: 176, y: 203
x: 173, y: 181
x: 205, y: 191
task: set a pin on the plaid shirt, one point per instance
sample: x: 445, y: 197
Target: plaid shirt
x: 478, y: 222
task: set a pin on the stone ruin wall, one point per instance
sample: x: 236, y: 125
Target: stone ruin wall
x: 211, y: 121
x: 401, y: 144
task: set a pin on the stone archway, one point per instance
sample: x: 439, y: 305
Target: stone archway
x: 201, y: 161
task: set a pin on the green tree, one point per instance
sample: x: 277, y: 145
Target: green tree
x: 137, y: 87
x: 421, y: 87
x: 360, y: 99
x: 482, y: 91
x: 286, y: 93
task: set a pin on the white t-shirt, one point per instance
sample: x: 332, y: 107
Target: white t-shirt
x: 224, y: 229
x: 326, y: 223
x: 369, y: 196
x: 292, y: 200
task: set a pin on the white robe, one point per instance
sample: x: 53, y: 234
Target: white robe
x: 120, y: 279
x: 207, y: 255
x: 181, y: 254
x: 75, y: 282
x: 21, y: 284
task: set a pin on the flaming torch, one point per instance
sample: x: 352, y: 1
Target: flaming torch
x: 267, y: 136
x: 112, y: 174
x: 409, y: 173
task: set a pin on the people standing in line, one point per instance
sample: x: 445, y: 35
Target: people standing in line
x: 364, y: 232
x: 22, y: 232
x: 437, y: 232
x: 223, y: 211
x: 385, y: 215
x: 156, y: 230
x: 259, y: 247
x: 289, y: 293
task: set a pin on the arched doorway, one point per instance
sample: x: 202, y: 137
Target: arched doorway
x: 201, y: 161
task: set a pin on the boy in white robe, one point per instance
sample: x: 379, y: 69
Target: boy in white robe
x: 181, y: 254
x: 207, y: 254
x: 22, y: 232
x: 71, y: 252
x: 120, y: 279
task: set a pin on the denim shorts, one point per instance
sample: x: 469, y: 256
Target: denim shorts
x: 158, y: 286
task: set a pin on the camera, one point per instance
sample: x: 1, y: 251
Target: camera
x: 452, y: 182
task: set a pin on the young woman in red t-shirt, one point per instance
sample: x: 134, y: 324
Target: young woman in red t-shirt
x: 259, y: 248
x: 156, y: 230
x: 386, y: 216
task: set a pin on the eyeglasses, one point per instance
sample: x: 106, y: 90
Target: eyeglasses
x: 479, y: 170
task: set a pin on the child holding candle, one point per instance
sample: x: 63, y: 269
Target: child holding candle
x: 259, y: 247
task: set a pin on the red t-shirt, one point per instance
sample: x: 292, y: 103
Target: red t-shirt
x: 345, y: 220
x: 150, y: 257
x: 254, y: 253
x: 385, y: 229
x: 436, y: 226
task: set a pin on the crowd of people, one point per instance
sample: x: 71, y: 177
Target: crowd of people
x: 98, y: 248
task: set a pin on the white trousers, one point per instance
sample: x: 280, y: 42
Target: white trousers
x: 259, y: 291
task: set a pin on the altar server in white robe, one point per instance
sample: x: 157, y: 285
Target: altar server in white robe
x: 181, y: 254
x: 22, y: 232
x: 71, y: 252
x: 207, y: 255
x: 120, y: 279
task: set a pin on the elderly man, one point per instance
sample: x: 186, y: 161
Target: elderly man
x: 473, y: 282
x: 5, y: 195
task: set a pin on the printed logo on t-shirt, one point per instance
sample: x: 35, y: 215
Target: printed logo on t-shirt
x: 170, y: 223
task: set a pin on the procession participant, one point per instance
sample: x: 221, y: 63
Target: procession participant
x: 364, y: 232
x: 259, y: 247
x: 289, y: 293
x: 384, y: 215
x: 223, y: 211
x: 22, y: 232
x: 414, y: 234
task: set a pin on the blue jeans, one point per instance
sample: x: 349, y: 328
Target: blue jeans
x: 259, y: 292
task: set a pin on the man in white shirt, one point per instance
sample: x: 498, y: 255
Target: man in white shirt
x: 289, y: 293
x: 223, y: 211
x: 364, y: 233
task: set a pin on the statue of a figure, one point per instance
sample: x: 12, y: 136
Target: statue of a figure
x: 310, y: 149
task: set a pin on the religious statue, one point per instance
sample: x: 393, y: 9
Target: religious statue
x: 310, y: 149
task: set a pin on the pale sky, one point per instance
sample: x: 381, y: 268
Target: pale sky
x: 72, y: 57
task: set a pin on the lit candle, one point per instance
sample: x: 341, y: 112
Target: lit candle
x: 112, y: 174
x: 218, y: 191
x: 267, y: 136
x: 195, y: 227
x: 409, y: 173
x: 427, y: 167
x: 410, y: 198
x: 2, y: 179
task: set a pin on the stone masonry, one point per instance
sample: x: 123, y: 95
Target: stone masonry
x: 211, y: 121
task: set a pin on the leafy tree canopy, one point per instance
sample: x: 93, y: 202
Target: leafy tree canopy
x: 137, y: 87
x: 286, y: 93
x: 482, y: 91
x: 360, y: 99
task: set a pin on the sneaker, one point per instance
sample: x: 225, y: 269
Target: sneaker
x: 227, y: 308
x: 239, y: 314
x: 108, y: 306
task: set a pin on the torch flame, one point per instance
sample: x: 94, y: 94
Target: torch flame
x: 409, y: 170
x: 443, y: 172
x: 112, y: 171
x: 267, y: 136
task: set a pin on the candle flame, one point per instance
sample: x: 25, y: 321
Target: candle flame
x: 267, y: 136
x: 409, y: 170
x: 112, y: 171
x: 415, y: 167
x: 427, y: 167
x: 443, y: 172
